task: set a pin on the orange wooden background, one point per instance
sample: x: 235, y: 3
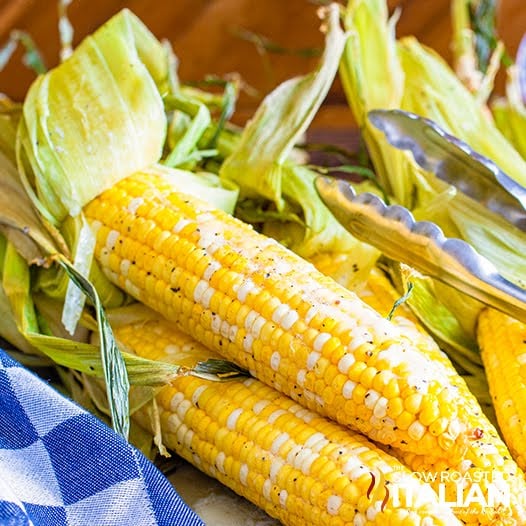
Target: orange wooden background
x: 206, y: 37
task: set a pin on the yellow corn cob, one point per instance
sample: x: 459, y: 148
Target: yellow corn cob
x: 261, y: 306
x: 487, y: 459
x: 502, y: 342
x: 296, y: 465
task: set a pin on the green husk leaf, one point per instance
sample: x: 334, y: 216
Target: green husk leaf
x: 32, y: 57
x: 113, y: 365
x: 430, y: 89
x: 203, y: 185
x: 257, y: 165
x: 214, y: 369
x: 79, y: 144
x: 199, y: 121
x: 373, y: 78
x: 477, y: 51
x: 323, y: 233
x: 65, y: 30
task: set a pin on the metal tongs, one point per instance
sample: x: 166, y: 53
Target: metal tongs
x: 450, y: 260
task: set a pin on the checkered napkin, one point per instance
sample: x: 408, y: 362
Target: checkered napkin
x: 59, y: 465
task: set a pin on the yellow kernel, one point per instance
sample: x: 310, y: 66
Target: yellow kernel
x: 413, y: 403
x: 358, y: 394
x: 367, y: 376
x: 429, y: 412
x: 395, y: 407
x: 356, y: 370
x: 405, y: 420
x: 391, y: 390
x: 439, y: 426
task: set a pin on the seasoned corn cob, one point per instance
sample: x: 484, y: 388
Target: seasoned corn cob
x: 261, y: 306
x: 296, y: 465
x: 487, y: 460
x: 502, y: 342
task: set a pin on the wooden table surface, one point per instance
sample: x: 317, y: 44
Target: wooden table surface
x: 212, y: 37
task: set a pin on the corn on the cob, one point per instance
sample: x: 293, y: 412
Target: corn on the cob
x: 487, y: 460
x: 502, y: 342
x: 261, y: 306
x: 296, y: 465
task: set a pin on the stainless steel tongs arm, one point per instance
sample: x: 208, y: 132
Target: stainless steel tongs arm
x: 422, y: 245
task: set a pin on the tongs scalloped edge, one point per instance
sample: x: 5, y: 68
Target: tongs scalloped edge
x: 422, y: 245
x: 454, y: 161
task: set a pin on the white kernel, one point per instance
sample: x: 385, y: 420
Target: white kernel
x: 312, y: 360
x: 95, y: 226
x: 311, y: 313
x: 225, y: 328
x: 199, y: 290
x: 197, y: 393
x: 216, y: 324
x: 245, y: 289
x: 275, y: 359
x: 258, y: 325
x: 278, y: 442
x: 370, y: 398
x: 125, y: 267
x: 292, y: 454
x: 180, y: 225
x: 213, y: 247
x: 359, y: 520
x: 314, y: 441
x: 267, y: 485
x: 275, y: 415
x: 283, y: 495
x: 290, y: 319
x: 300, y: 377
x: 112, y: 239
x: 259, y: 406
x: 232, y: 332
x: 252, y: 316
x: 184, y: 435
x: 416, y: 430
x: 233, y: 418
x: 171, y: 348
x: 177, y: 398
x: 104, y: 257
x: 333, y: 504
x: 304, y: 460
x: 380, y: 409
x: 285, y: 316
x: 248, y: 340
x: 345, y: 362
x: 220, y: 461
x: 173, y: 423
x: 306, y: 415
x: 212, y: 267
x: 183, y: 407
x: 132, y: 289
x: 348, y: 389
x: 352, y: 464
x: 371, y: 513
x: 112, y: 276
x: 206, y: 298
x: 134, y: 204
x: 358, y: 341
x: 521, y: 358
x: 454, y: 428
x: 243, y: 474
x: 275, y: 467
x: 321, y: 340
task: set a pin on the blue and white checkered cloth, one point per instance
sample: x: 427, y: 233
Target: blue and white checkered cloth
x: 60, y: 465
